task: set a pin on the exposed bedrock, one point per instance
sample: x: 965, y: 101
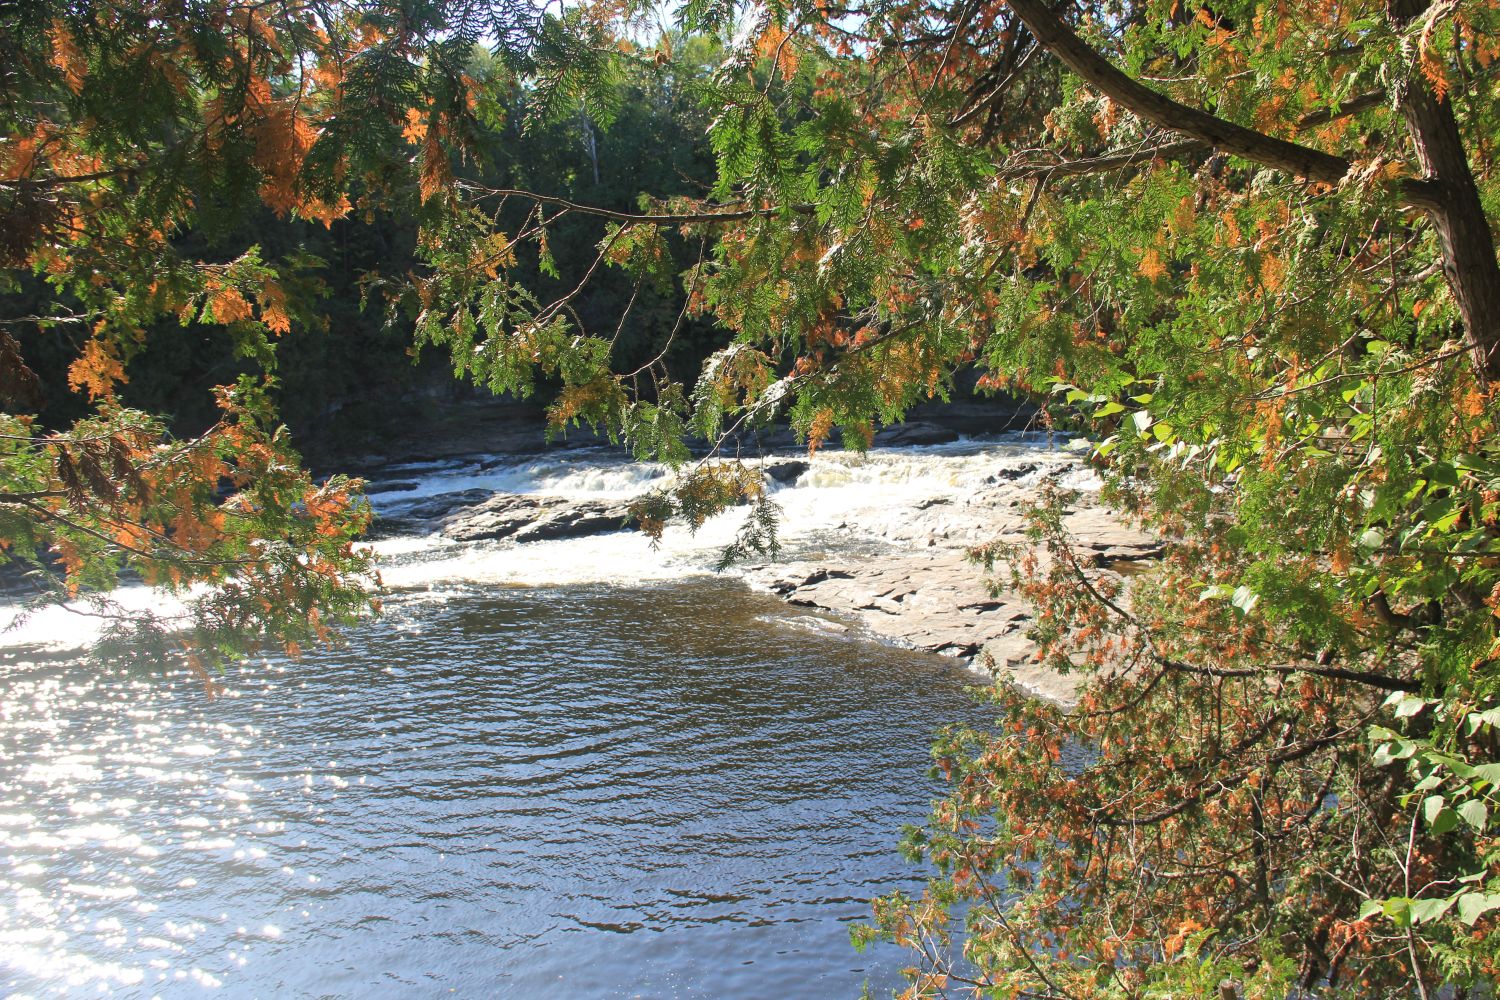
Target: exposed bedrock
x: 901, y: 569
x: 923, y: 591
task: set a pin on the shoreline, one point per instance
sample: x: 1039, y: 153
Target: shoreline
x: 897, y: 571
x: 926, y: 594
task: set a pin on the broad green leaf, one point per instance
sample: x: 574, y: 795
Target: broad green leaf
x: 1427, y: 910
x: 1488, y: 772
x: 1473, y: 905
x: 1409, y: 706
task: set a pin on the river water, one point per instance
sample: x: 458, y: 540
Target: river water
x: 581, y: 769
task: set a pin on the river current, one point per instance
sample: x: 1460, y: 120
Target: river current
x: 582, y: 769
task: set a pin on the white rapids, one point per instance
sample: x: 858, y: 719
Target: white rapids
x: 843, y: 499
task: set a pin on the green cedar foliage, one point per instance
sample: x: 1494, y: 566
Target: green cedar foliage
x: 1249, y: 253
x: 1247, y: 248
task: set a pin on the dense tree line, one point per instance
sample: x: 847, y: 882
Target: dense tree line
x: 346, y: 371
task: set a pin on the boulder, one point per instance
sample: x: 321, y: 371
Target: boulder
x: 441, y: 505
x: 424, y: 514
x: 913, y: 433
x: 396, y: 486
x: 576, y: 520
x: 788, y: 471
x: 1010, y: 472
x: 500, y: 516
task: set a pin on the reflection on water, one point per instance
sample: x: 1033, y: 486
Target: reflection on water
x: 560, y: 792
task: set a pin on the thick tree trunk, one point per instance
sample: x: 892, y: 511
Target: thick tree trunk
x: 1467, y: 245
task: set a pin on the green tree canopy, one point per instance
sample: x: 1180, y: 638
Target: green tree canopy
x: 1248, y: 248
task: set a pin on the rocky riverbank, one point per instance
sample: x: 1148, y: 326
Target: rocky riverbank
x: 887, y: 555
x: 922, y: 590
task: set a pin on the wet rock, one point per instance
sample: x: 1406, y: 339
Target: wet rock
x: 914, y: 433
x: 500, y: 516
x: 1012, y: 472
x: 788, y: 471
x: 923, y: 592
x: 398, y: 486
x: 425, y: 515
x: 524, y: 517
x: 588, y: 517
x: 441, y: 505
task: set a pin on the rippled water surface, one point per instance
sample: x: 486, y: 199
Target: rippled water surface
x: 583, y: 791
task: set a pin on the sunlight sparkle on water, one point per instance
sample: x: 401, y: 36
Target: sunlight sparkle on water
x: 574, y: 769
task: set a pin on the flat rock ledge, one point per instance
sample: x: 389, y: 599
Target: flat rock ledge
x: 924, y: 593
x: 482, y: 515
x: 906, y: 577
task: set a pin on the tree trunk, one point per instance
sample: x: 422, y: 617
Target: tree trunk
x: 1464, y: 237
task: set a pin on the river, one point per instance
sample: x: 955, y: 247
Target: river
x: 582, y: 769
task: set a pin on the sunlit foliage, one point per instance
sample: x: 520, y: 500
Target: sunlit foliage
x: 1246, y: 247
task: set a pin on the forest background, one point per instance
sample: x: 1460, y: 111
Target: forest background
x: 348, y: 376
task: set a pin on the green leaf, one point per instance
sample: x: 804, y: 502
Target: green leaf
x: 1488, y: 772
x: 1442, y: 820
x: 1109, y: 409
x: 1432, y: 807
x: 1442, y: 473
x: 1393, y: 750
x: 1475, y: 813
x: 1398, y: 908
x: 1409, y: 706
x: 1476, y: 720
x: 1473, y: 905
x: 1425, y: 911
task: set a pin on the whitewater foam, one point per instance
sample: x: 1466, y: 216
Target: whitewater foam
x: 841, y: 500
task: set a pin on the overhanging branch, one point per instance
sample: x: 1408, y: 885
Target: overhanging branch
x: 641, y: 218
x: 1160, y: 110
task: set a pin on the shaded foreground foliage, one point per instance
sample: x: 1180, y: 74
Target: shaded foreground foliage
x: 1247, y: 247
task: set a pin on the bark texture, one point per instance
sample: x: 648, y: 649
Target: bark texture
x: 1468, y: 245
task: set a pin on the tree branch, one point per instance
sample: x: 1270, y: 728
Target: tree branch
x: 1166, y: 113
x: 1106, y: 162
x: 1102, y: 164
x: 1288, y: 753
x: 1381, y: 682
x: 640, y: 218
